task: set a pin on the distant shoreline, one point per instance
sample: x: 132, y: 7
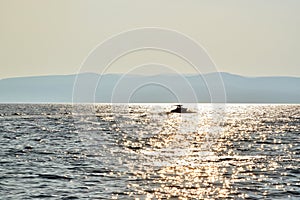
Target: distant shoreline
x: 166, y: 88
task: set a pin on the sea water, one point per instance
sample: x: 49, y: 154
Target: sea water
x: 103, y: 151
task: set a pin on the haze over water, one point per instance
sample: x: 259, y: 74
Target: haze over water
x: 55, y: 151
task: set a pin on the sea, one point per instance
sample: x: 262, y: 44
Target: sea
x: 142, y: 151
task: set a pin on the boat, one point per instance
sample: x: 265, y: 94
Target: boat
x: 180, y: 109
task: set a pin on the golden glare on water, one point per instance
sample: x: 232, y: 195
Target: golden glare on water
x: 179, y: 164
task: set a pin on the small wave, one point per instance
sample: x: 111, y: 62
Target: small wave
x: 53, y: 176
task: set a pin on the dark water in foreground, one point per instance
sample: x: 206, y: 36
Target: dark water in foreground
x: 139, y: 151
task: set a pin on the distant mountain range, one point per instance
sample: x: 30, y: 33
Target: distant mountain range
x: 165, y: 88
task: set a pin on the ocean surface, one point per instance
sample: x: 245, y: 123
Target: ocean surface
x: 140, y: 151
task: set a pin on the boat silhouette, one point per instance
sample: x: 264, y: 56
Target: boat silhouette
x: 180, y: 109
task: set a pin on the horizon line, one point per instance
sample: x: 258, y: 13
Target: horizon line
x: 156, y: 74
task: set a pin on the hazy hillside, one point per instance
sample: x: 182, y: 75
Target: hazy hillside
x: 159, y: 88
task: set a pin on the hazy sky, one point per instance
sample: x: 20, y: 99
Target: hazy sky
x: 247, y: 37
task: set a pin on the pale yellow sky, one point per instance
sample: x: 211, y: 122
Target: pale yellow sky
x: 247, y: 37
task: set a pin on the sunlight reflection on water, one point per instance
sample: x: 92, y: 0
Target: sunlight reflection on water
x: 143, y: 152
